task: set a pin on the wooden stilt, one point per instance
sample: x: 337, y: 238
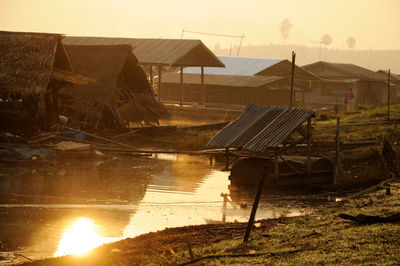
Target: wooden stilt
x: 151, y: 75
x: 226, y: 159
x: 276, y: 166
x: 159, y: 83
x: 202, y: 87
x: 309, y: 146
x: 336, y: 170
x: 181, y: 86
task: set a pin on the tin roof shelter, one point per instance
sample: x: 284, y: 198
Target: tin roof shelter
x: 160, y: 52
x: 250, y: 66
x: 261, y: 129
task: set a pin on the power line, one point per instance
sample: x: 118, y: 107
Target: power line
x: 213, y: 34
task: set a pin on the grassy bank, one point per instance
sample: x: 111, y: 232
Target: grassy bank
x: 320, y: 238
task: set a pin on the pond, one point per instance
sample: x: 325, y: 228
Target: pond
x: 75, y: 204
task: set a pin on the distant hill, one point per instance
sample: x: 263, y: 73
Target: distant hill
x: 371, y: 59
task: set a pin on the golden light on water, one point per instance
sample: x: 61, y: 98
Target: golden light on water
x: 80, y: 238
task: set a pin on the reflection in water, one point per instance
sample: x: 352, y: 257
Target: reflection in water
x: 120, y: 198
x: 81, y: 237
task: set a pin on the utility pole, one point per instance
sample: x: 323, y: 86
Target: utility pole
x: 292, y: 78
x: 388, y: 98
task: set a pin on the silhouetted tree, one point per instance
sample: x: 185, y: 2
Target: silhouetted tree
x: 326, y: 39
x: 285, y: 27
x: 351, y: 42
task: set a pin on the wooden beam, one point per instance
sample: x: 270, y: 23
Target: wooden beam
x: 202, y: 87
x: 388, y: 97
x: 309, y: 146
x: 336, y: 170
x: 159, y: 83
x: 276, y: 163
x: 255, y: 205
x: 292, y: 78
x: 181, y: 75
x: 151, y: 76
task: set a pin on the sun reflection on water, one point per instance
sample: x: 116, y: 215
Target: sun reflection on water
x: 80, y: 238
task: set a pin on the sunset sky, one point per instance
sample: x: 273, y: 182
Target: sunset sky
x: 373, y: 23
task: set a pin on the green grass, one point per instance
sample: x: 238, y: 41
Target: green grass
x: 321, y: 238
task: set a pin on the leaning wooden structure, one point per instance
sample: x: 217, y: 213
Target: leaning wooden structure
x: 263, y: 134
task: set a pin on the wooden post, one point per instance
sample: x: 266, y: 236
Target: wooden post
x: 336, y: 170
x: 159, y: 83
x: 292, y: 78
x: 276, y: 166
x: 225, y: 196
x: 151, y: 76
x: 226, y: 158
x: 388, y: 97
x: 202, y: 87
x: 255, y: 206
x: 309, y: 146
x: 181, y: 86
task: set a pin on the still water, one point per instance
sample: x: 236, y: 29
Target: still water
x: 76, y: 204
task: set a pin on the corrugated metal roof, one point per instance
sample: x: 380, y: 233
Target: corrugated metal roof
x: 260, y: 128
x: 170, y: 52
x: 223, y: 80
x: 244, y: 66
x: 339, y: 71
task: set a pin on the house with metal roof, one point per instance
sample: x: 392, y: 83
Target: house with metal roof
x: 159, y: 52
x: 236, y: 75
x: 225, y: 89
x: 369, y: 87
x: 251, y: 66
x: 263, y: 134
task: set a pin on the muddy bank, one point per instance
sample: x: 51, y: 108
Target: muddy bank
x: 321, y: 237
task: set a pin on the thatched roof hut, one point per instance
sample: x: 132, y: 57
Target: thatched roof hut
x: 27, y: 61
x: 33, y: 67
x: 122, y: 93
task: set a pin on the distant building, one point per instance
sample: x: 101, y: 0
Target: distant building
x: 243, y: 80
x: 370, y: 88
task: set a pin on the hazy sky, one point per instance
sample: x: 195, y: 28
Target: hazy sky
x: 373, y: 23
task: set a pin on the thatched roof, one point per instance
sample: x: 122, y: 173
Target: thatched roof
x: 27, y: 61
x: 122, y: 85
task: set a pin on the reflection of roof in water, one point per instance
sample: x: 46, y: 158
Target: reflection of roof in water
x: 260, y: 128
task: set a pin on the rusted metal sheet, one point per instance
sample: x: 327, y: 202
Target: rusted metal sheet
x: 223, y: 80
x: 168, y: 52
x: 260, y: 128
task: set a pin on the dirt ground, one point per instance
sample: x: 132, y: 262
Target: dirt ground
x: 321, y: 237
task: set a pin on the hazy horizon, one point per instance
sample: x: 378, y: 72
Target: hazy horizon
x: 371, y: 23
